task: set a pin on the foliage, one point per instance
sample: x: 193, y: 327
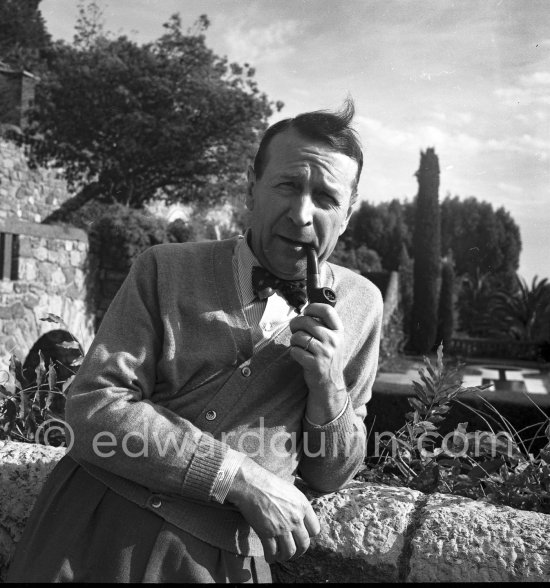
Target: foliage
x: 115, y: 241
x: 392, y: 341
x: 122, y: 233
x: 481, y: 239
x: 406, y: 277
x: 24, y: 40
x: 474, y: 299
x: 382, y: 228
x: 169, y: 119
x: 427, y: 251
x: 524, y: 314
x: 446, y: 307
x: 495, y: 466
x: 32, y: 407
x: 362, y: 259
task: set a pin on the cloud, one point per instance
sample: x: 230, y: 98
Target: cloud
x: 375, y: 129
x: 422, y: 135
x: 268, y: 44
x: 538, y: 78
x: 526, y: 144
x: 533, y: 88
x: 453, y: 145
x: 509, y: 188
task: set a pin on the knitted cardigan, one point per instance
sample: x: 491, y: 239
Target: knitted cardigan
x: 170, y: 384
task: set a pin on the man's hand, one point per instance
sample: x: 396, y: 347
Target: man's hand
x: 318, y: 346
x: 279, y: 513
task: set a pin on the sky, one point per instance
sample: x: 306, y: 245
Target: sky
x: 470, y: 78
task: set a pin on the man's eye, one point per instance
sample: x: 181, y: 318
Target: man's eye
x: 327, y: 198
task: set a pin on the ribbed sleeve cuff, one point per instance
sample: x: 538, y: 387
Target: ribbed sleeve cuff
x: 334, y: 419
x: 204, y: 468
x: 230, y: 466
x: 329, y: 440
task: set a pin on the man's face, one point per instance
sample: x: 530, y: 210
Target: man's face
x: 303, y: 197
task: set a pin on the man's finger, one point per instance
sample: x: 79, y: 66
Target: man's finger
x: 311, y: 522
x: 286, y: 547
x: 302, y: 540
x: 270, y: 549
x: 302, y: 339
x: 326, y: 314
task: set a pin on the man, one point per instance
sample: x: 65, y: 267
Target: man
x: 204, y: 393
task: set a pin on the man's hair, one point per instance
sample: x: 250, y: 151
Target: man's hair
x: 331, y: 128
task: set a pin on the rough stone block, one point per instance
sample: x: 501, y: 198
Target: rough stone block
x: 463, y: 540
x: 14, y: 311
x: 27, y: 269
x: 24, y: 470
x: 363, y: 534
x: 57, y: 278
x: 25, y: 249
x: 41, y: 253
x: 6, y: 286
x: 76, y: 258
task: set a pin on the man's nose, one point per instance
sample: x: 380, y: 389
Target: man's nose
x: 301, y: 209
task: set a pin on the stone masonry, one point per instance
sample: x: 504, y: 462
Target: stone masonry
x: 369, y: 532
x: 27, y: 194
x: 50, y: 260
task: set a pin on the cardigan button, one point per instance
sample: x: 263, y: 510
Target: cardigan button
x: 210, y: 415
x: 156, y: 502
x: 246, y: 371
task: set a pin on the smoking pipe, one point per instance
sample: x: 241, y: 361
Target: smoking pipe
x: 316, y: 292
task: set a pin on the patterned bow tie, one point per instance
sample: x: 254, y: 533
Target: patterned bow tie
x: 264, y: 284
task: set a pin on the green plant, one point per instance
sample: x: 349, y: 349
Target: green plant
x: 496, y: 466
x: 523, y: 314
x: 32, y: 409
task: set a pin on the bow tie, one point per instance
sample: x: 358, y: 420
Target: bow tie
x: 264, y: 284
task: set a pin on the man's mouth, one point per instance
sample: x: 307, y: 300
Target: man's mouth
x: 295, y: 242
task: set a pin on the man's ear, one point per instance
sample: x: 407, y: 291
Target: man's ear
x: 345, y: 222
x: 251, y: 179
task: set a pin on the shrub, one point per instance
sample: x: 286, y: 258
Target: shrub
x: 495, y: 466
x: 32, y: 408
x: 115, y: 240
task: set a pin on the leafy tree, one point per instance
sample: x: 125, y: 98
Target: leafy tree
x: 524, y: 314
x: 474, y: 304
x: 446, y: 303
x: 382, y: 227
x: 479, y: 237
x: 406, y: 288
x: 23, y: 35
x: 362, y: 259
x: 426, y: 245
x: 129, y: 123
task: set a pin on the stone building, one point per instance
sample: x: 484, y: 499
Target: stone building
x: 41, y: 266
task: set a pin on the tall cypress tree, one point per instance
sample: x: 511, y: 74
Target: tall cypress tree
x: 427, y: 250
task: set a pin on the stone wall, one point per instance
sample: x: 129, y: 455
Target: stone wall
x: 27, y: 194
x: 51, y: 280
x: 369, y: 532
x: 50, y: 260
